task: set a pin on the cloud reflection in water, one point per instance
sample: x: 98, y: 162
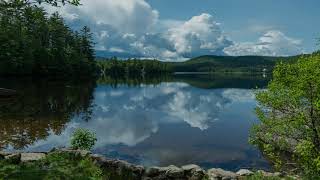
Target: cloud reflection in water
x: 172, y: 123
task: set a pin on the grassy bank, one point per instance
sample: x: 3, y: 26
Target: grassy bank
x: 53, y: 166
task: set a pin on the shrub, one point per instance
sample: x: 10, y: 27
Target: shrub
x: 289, y: 111
x: 83, y: 139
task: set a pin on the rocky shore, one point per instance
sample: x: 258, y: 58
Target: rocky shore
x: 119, y: 167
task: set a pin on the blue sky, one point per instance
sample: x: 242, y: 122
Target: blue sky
x: 297, y: 18
x: 179, y: 29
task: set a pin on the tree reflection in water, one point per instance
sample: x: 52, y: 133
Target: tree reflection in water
x: 42, y: 106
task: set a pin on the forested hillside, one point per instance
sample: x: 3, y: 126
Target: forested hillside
x: 206, y: 64
x: 227, y: 64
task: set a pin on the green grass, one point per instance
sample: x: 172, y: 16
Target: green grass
x: 259, y: 176
x: 60, y: 165
x: 54, y: 166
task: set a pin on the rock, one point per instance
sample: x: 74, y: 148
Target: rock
x: 3, y: 155
x: 13, y: 158
x: 190, y: 167
x: 82, y: 153
x: 174, y: 172
x: 277, y: 174
x: 26, y: 157
x: 214, y: 174
x: 269, y: 174
x: 122, y: 166
x: 155, y: 171
x: 244, y: 172
x: 170, y: 172
x: 118, y: 167
x: 98, y: 159
x: 193, y: 172
x: 139, y: 170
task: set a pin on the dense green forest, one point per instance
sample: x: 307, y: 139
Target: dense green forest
x: 252, y: 64
x: 34, y: 43
x: 132, y: 67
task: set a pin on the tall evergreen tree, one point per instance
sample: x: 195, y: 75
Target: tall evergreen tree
x: 34, y: 43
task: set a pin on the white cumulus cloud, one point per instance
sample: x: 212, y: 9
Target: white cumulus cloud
x: 272, y: 43
x: 199, y: 35
x: 129, y: 28
x: 126, y: 16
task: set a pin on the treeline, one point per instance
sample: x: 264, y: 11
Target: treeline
x: 132, y: 67
x: 208, y: 64
x: 214, y: 64
x: 34, y: 43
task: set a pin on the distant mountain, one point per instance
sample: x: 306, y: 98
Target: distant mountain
x: 214, y: 63
x: 228, y: 64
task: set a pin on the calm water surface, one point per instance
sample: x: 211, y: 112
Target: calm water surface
x: 184, y: 119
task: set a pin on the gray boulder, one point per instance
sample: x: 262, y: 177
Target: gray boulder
x: 154, y: 171
x: 13, y: 158
x: 98, y: 159
x: 193, y: 172
x: 26, y: 157
x: 174, y: 172
x: 215, y: 174
x: 82, y: 153
x: 244, y: 172
x: 170, y: 172
x: 3, y: 155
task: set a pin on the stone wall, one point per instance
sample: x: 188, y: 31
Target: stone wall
x: 119, y: 167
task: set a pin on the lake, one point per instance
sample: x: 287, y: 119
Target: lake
x: 181, y: 119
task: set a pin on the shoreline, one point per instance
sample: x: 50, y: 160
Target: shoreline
x: 137, y: 172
